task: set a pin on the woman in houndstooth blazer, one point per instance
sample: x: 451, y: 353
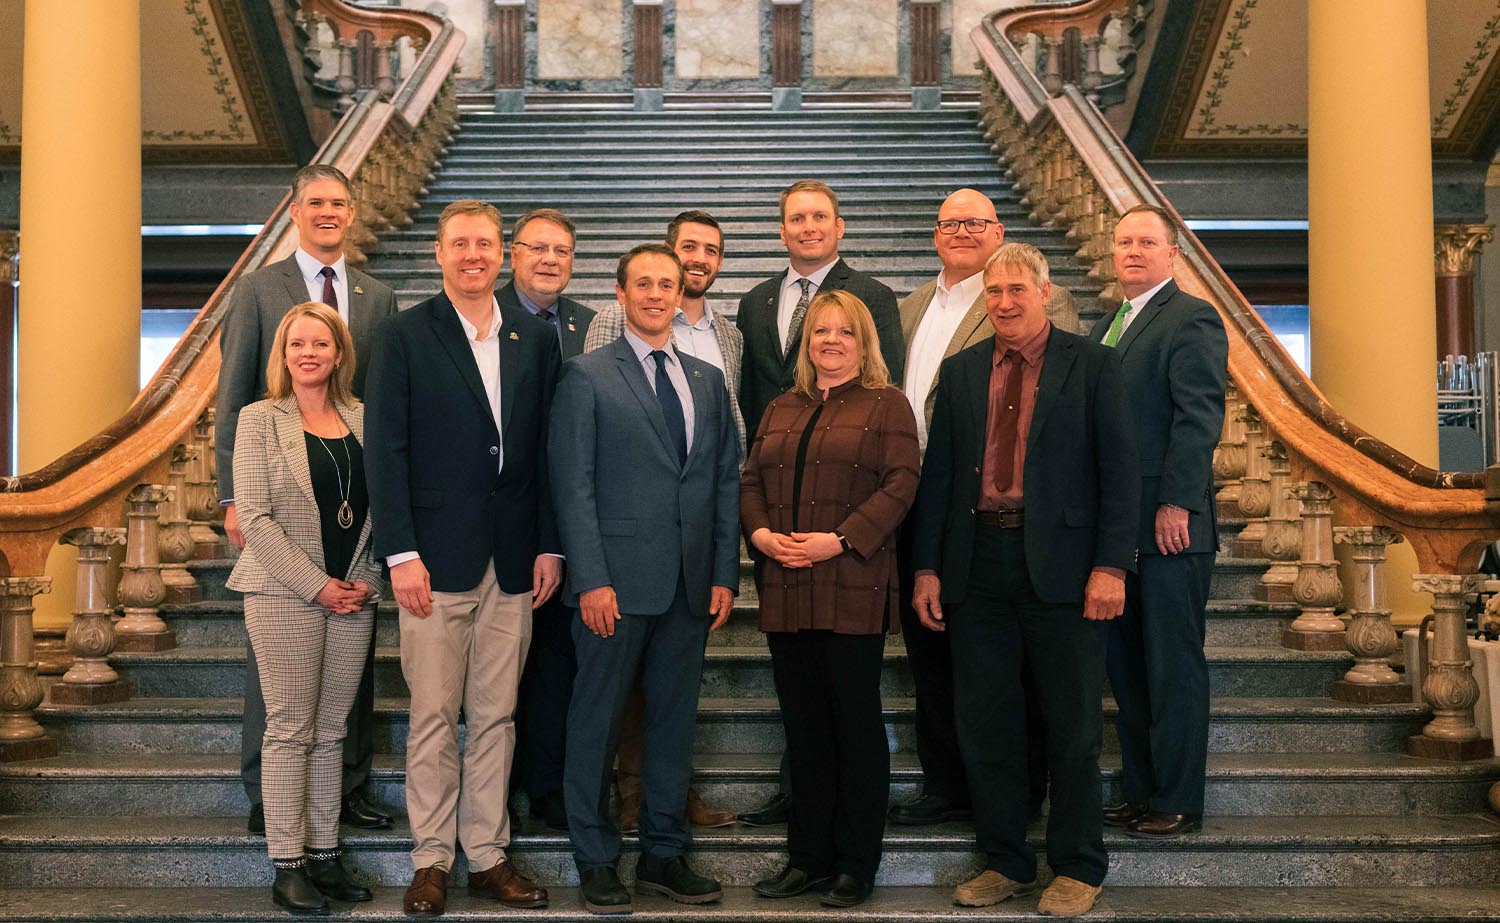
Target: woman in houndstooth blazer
x: 308, y: 579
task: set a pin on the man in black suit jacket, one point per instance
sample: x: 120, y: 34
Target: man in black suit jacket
x: 456, y: 459
x: 811, y: 229
x: 541, y: 259
x: 323, y: 210
x: 1025, y: 526
x: 1175, y: 356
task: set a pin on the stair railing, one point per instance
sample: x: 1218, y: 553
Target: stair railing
x: 157, y: 458
x: 1299, y: 456
x: 1092, y: 46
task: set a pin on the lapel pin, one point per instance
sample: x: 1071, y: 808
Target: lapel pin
x: 358, y: 290
x: 513, y: 335
x: 572, y: 328
x: 697, y: 374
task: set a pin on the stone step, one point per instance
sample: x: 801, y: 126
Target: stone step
x: 742, y: 238
x: 485, y: 174
x: 472, y: 153
x: 1290, y: 851
x: 592, y: 211
x: 867, y: 202
x: 611, y: 243
x: 1261, y: 724
x: 208, y: 784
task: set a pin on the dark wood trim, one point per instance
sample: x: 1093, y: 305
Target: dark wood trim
x: 510, y: 47
x: 926, y: 55
x: 786, y: 45
x: 648, y: 42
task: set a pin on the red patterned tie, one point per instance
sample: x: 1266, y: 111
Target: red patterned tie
x: 1009, y: 429
x: 330, y: 297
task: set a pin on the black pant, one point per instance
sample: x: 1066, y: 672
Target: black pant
x: 999, y: 629
x: 542, y: 712
x: 829, y: 688
x: 931, y: 667
x: 1160, y: 680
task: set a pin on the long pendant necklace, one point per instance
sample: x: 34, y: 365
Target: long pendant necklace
x: 346, y: 512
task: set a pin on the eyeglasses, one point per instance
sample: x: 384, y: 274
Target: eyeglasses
x: 972, y: 225
x: 559, y: 250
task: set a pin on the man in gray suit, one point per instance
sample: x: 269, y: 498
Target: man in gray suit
x: 646, y: 488
x: 323, y: 211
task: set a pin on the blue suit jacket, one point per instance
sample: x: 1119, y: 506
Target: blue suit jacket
x: 630, y: 514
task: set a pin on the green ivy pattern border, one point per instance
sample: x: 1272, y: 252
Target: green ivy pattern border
x: 1213, y: 95
x: 1483, y: 50
x: 222, y: 81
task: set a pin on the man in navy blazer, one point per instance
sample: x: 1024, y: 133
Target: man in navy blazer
x: 456, y: 458
x: 1175, y: 356
x: 646, y: 483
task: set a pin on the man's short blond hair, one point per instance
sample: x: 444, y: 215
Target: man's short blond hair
x: 809, y: 185
x: 471, y: 207
x: 1020, y: 256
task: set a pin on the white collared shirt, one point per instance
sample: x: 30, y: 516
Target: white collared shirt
x: 791, y: 293
x: 1139, y: 302
x: 312, y: 274
x: 944, y: 314
x: 675, y: 374
x: 699, y: 340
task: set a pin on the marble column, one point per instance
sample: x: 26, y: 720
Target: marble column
x: 91, y: 636
x: 1370, y: 636
x: 1448, y: 683
x: 1456, y: 246
x: 21, y: 738
x: 10, y: 290
x: 510, y: 55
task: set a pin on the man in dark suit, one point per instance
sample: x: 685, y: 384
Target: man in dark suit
x: 1025, y: 526
x: 541, y: 260
x: 456, y: 460
x: 1175, y: 356
x: 646, y: 483
x: 323, y: 210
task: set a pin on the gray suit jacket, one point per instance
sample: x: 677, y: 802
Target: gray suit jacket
x: 631, y: 515
x: 259, y: 301
x: 278, y: 513
x: 609, y: 325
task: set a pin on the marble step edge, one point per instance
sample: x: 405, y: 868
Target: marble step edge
x: 917, y: 903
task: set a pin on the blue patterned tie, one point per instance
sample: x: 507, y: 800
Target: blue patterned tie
x: 671, y: 406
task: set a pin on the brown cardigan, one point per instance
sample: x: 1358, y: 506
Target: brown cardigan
x: 860, y: 479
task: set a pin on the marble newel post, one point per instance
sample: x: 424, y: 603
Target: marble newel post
x: 141, y: 589
x: 1316, y: 588
x: 1455, y: 247
x: 1448, y: 684
x: 21, y: 738
x: 91, y: 634
x: 1370, y: 636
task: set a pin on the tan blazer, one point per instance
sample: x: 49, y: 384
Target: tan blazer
x: 278, y: 513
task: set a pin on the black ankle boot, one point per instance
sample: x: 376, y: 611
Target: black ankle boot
x: 325, y: 868
x: 295, y: 891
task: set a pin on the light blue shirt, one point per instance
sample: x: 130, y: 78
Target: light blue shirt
x: 312, y: 274
x: 699, y: 340
x: 675, y: 374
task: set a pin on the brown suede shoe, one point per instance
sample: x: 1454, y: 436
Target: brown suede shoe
x: 701, y: 814
x: 1067, y: 897
x: 504, y: 884
x: 630, y: 810
x: 989, y: 887
x: 427, y: 895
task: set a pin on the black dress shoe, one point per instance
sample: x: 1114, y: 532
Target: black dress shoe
x: 790, y: 883
x: 357, y: 812
x: 775, y: 811
x: 549, y: 810
x: 295, y: 891
x: 1119, y: 815
x: 257, y: 821
x: 1156, y: 826
x: 673, y: 878
x: 929, y: 809
x: 848, y: 890
x: 331, y: 878
x: 602, y: 891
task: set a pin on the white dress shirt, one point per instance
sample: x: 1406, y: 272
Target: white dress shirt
x: 312, y: 274
x: 944, y: 314
x: 675, y: 375
x: 699, y: 340
x: 1140, y: 301
x: 791, y: 293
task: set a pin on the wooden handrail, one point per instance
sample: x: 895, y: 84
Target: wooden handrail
x: 84, y: 486
x: 1445, y: 515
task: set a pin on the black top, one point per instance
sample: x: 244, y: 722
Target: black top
x: 332, y: 470
x: 807, y: 431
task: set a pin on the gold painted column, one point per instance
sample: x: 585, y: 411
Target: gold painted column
x: 1454, y: 247
x: 1369, y: 208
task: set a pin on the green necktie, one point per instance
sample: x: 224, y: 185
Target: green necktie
x: 1117, y: 326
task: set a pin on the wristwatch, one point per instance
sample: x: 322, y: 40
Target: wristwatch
x: 843, y: 542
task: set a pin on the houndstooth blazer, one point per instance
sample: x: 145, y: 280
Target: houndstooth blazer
x: 278, y: 513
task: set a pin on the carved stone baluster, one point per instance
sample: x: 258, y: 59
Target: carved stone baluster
x: 345, y: 83
x: 175, y: 544
x: 1448, y: 682
x: 1052, y: 81
x: 141, y: 589
x: 1230, y: 456
x: 203, y: 494
x: 385, y: 83
x: 1283, y: 540
x: 1255, y: 489
x: 1093, y: 78
x: 1370, y: 636
x: 1316, y: 588
x: 91, y: 636
x: 21, y: 738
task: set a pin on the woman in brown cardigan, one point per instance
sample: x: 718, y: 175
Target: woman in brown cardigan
x: 831, y: 474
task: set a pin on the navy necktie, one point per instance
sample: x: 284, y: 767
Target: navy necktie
x: 671, y: 405
x: 330, y: 297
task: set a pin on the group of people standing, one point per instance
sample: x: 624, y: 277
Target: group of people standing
x: 558, y: 498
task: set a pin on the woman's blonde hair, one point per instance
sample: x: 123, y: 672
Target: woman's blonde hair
x: 279, y: 379
x: 872, y: 370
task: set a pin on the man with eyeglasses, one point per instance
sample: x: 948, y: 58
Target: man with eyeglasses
x: 541, y: 259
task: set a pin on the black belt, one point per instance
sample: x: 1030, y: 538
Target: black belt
x: 1005, y: 519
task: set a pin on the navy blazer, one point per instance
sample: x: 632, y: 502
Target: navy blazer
x: 575, y: 317
x: 1081, y: 481
x: 633, y: 516
x: 1176, y: 358
x: 431, y: 447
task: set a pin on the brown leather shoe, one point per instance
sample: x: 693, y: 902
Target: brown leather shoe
x: 630, y: 810
x: 504, y: 884
x: 990, y: 887
x: 701, y: 814
x: 1157, y: 826
x: 1119, y: 815
x: 427, y: 895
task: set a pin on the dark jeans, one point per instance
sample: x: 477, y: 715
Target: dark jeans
x: 546, y: 690
x: 829, y: 688
x: 999, y: 629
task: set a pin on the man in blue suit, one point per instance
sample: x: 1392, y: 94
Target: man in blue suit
x: 646, y: 487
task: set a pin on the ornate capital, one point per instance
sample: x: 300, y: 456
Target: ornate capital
x: 1366, y: 535
x: 27, y: 587
x: 1456, y: 245
x: 1439, y: 585
x: 93, y: 536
